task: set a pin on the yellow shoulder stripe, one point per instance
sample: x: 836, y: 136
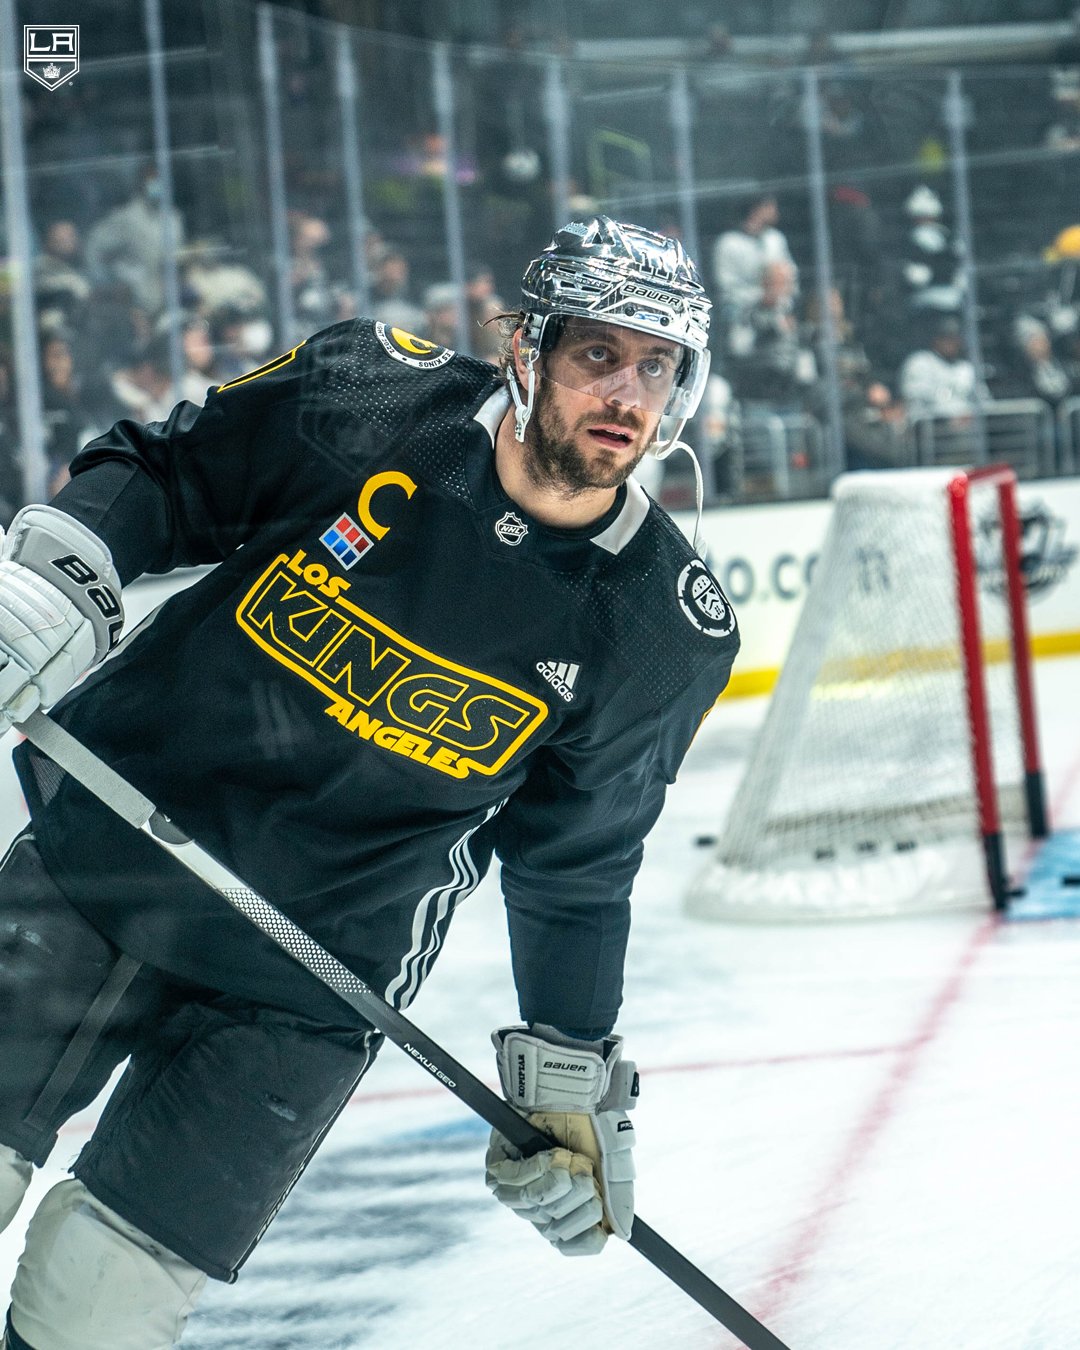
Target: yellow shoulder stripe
x: 270, y: 366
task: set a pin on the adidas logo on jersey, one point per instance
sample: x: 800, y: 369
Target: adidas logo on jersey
x: 561, y: 676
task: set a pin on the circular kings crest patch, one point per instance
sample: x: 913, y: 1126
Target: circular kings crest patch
x: 703, y: 602
x: 410, y: 350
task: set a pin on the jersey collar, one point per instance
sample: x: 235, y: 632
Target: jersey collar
x: 612, y: 533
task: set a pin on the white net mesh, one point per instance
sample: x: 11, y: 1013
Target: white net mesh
x: 859, y: 795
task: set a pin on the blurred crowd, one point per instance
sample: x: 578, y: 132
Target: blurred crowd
x: 105, y: 334
x: 887, y: 353
x: 903, y: 362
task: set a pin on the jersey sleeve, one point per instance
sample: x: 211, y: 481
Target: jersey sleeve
x: 191, y: 489
x: 570, y: 841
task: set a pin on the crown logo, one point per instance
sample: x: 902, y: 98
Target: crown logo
x: 51, y: 71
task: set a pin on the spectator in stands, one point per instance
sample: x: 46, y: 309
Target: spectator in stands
x: 743, y: 254
x: 68, y: 422
x: 112, y: 331
x: 857, y: 250
x: 1070, y: 357
x: 428, y: 158
x: 128, y: 245
x: 240, y: 341
x: 198, y: 350
x: 211, y: 282
x: 939, y: 380
x: 765, y: 357
x: 145, y: 388
x: 718, y: 44
x: 1063, y: 131
x: 441, y: 314
x: 1059, y: 309
x: 714, y: 429
x: 484, y: 305
x: 757, y: 281
x: 873, y: 419
x: 390, y: 299
x: 854, y: 134
x: 1036, y: 372
x: 61, y: 288
x: 932, y: 277
x: 314, y: 298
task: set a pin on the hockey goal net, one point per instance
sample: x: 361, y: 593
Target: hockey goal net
x: 899, y: 750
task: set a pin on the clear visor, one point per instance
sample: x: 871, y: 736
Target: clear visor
x: 619, y: 365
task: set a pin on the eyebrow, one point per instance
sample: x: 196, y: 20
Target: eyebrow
x: 661, y: 349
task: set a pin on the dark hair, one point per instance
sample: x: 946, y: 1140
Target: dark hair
x: 747, y: 203
x: 508, y: 324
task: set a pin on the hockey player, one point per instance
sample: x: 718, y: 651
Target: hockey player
x: 445, y: 623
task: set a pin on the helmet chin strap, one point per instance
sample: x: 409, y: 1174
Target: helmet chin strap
x: 523, y: 408
x: 661, y: 450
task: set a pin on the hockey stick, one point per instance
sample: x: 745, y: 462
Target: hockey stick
x: 141, y: 813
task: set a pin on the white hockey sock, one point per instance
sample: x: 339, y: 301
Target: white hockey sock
x: 89, y: 1280
x: 15, y: 1173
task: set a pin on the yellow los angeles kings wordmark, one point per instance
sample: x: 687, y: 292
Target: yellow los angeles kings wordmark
x: 382, y: 687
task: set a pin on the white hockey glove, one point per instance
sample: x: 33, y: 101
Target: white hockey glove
x: 579, y: 1093
x: 60, y: 609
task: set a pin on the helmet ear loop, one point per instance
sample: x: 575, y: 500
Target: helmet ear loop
x: 523, y: 408
x: 661, y: 449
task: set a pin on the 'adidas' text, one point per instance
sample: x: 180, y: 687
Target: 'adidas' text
x: 561, y: 676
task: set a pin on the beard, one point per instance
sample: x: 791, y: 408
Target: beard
x: 553, y: 460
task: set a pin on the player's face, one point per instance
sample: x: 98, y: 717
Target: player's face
x: 599, y: 400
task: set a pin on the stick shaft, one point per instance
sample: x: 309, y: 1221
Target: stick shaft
x: 107, y: 785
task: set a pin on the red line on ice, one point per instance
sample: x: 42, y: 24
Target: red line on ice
x: 792, y: 1266
x: 832, y: 1193
x: 364, y: 1098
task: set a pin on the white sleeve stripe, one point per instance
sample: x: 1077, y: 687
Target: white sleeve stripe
x: 432, y: 916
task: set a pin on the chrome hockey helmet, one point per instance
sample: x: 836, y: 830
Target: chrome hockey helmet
x: 624, y: 276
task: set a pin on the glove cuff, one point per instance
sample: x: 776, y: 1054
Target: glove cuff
x: 70, y: 555
x: 539, y: 1075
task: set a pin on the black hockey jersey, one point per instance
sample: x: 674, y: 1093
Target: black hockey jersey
x: 392, y: 672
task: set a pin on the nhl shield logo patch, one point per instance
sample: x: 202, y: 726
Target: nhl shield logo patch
x: 703, y: 602
x: 51, y: 52
x: 511, y: 529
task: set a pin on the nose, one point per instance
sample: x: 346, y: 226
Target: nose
x: 623, y: 389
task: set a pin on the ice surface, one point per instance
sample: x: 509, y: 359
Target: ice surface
x: 867, y: 1133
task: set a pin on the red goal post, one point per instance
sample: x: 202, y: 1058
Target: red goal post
x: 1002, y: 478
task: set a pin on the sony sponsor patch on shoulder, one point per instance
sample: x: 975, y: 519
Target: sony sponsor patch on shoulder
x: 411, y: 350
